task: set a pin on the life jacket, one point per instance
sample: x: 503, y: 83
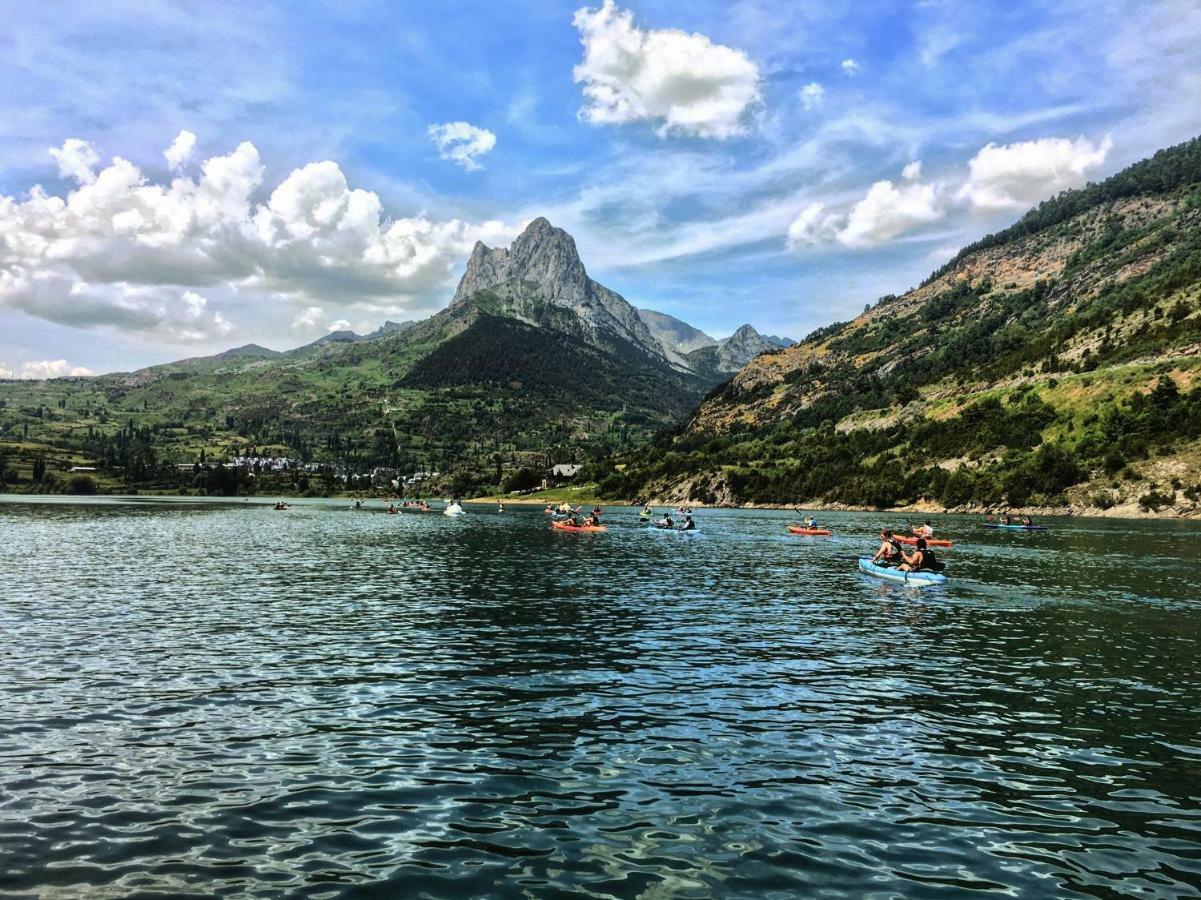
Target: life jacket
x: 929, y: 562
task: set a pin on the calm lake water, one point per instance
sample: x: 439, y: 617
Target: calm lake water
x: 202, y: 698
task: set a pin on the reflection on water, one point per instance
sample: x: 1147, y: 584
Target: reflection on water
x: 208, y: 698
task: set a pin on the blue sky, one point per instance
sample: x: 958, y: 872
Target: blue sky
x: 778, y: 163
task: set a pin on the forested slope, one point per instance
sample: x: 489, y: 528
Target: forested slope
x: 1053, y: 364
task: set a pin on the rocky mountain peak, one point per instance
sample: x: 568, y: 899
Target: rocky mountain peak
x: 744, y: 345
x: 540, y: 279
x: 541, y: 254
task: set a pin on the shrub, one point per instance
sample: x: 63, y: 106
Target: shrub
x: 81, y: 484
x: 1154, y: 500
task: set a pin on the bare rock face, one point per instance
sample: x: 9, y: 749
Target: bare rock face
x: 675, y: 334
x: 541, y: 276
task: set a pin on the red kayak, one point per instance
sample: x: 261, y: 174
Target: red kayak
x: 563, y: 526
x: 816, y: 532
x: 930, y: 542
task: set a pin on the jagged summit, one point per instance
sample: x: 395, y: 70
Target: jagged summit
x: 746, y: 343
x: 541, y: 280
x: 542, y: 254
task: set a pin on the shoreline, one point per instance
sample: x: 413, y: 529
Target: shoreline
x: 1123, y: 511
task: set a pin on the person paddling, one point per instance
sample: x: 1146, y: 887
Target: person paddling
x: 925, y: 530
x: 688, y: 525
x: 890, y: 553
x: 665, y: 522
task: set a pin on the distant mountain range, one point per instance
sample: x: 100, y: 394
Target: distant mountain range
x: 531, y: 358
x: 707, y: 356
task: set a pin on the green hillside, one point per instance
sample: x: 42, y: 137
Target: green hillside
x: 467, y: 393
x: 1054, y: 364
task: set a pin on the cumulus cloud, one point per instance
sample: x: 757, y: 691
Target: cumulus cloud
x: 890, y: 210
x: 45, y: 368
x: 850, y: 67
x: 886, y: 211
x: 1016, y: 176
x: 76, y: 159
x: 812, y: 95
x: 1011, y: 178
x: 180, y: 150
x: 813, y: 226
x: 684, y: 81
x: 122, y: 253
x: 461, y: 143
x: 307, y: 318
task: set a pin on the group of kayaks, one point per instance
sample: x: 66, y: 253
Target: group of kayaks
x: 869, y: 566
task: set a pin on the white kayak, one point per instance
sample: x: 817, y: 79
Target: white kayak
x: 917, y: 579
x: 454, y: 510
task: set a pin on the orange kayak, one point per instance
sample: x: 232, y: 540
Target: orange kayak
x: 801, y: 529
x: 563, y: 526
x: 931, y: 542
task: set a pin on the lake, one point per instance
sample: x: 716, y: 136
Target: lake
x: 213, y: 698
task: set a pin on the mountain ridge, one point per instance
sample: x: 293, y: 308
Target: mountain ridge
x: 1054, y: 367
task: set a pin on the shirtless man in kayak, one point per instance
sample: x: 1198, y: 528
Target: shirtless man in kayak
x: 921, y: 558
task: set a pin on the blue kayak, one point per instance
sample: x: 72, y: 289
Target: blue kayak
x: 917, y: 579
x: 1016, y: 527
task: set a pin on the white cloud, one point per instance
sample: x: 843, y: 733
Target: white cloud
x: 850, y: 67
x: 812, y: 95
x: 890, y: 210
x: 45, y: 368
x: 462, y: 142
x: 181, y: 149
x: 813, y: 226
x: 999, y: 179
x: 1016, y: 176
x: 308, y: 317
x: 886, y: 211
x: 122, y: 253
x: 76, y: 160
x: 685, y: 81
x: 338, y: 325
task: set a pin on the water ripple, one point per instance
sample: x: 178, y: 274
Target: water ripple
x: 209, y: 698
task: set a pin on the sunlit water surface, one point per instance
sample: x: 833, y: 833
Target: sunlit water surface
x: 202, y: 698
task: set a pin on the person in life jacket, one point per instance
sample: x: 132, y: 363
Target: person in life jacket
x: 921, y: 559
x: 890, y: 553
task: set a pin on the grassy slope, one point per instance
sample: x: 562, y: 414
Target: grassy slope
x: 1021, y: 373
